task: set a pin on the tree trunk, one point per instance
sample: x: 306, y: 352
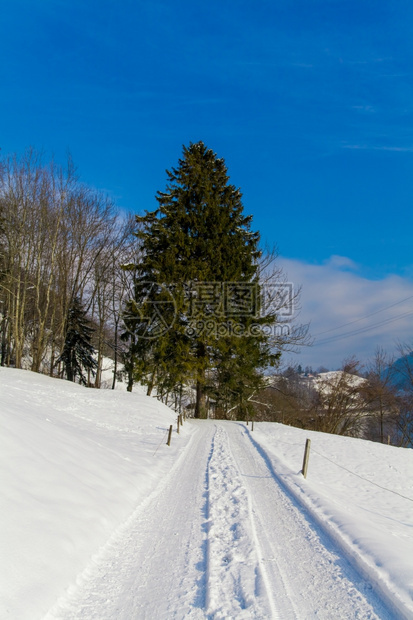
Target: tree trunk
x: 98, y: 377
x: 151, y: 383
x: 200, y: 404
x: 130, y: 380
x: 4, y: 342
x: 52, y: 356
x: 115, y: 370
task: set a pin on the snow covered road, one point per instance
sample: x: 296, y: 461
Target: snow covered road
x: 220, y: 538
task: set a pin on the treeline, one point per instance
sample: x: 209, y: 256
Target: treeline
x: 60, y: 240
x: 373, y: 402
x: 183, y: 295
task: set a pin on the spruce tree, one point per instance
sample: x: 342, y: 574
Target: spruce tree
x: 77, y: 354
x: 195, y: 245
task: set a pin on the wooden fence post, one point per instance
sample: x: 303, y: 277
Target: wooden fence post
x: 306, y: 457
x: 177, y: 425
x: 168, y: 443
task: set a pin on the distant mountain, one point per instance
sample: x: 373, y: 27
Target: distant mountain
x: 402, y: 372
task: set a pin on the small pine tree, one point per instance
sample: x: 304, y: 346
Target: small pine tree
x: 77, y: 354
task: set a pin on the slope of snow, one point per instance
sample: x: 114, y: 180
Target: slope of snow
x: 220, y: 539
x: 86, y: 477
x: 360, y: 492
x: 325, y: 381
x: 74, y: 464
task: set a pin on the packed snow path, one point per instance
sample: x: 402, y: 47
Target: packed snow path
x: 220, y: 538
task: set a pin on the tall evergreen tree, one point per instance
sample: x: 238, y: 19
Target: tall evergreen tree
x: 195, y: 245
x: 77, y: 354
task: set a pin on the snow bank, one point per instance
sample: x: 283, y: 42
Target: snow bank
x: 75, y: 462
x: 360, y: 492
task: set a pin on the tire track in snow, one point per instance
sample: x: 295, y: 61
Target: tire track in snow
x: 218, y: 539
x: 382, y: 597
x: 318, y: 580
x: 236, y: 585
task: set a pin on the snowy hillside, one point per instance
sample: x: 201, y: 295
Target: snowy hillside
x: 333, y: 377
x: 102, y: 520
x: 74, y: 464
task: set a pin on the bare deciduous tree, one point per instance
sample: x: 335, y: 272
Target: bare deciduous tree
x: 59, y: 240
x: 379, y: 394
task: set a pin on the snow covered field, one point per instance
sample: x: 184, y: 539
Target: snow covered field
x: 101, y: 520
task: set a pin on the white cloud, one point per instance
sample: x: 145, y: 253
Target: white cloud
x: 338, y: 262
x: 371, y: 147
x: 349, y: 314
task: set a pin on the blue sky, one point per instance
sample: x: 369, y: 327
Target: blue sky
x: 310, y: 102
